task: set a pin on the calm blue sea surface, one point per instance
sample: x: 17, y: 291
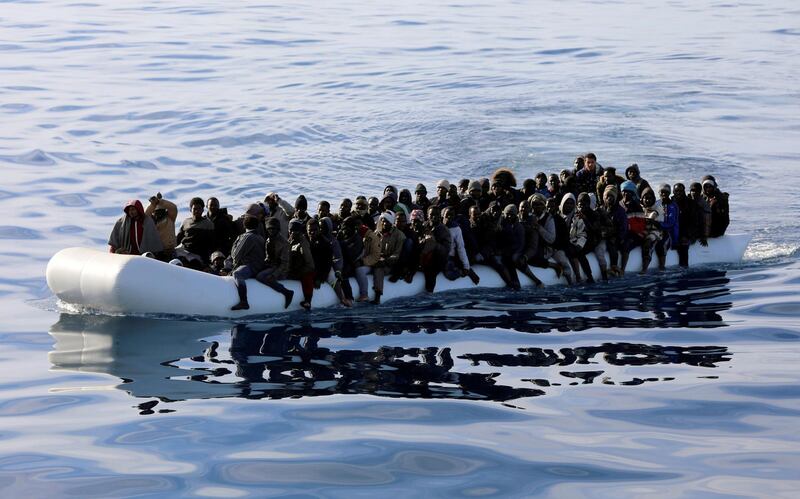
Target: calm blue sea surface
x: 679, y: 385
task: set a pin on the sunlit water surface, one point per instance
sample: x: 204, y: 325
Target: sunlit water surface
x: 684, y: 384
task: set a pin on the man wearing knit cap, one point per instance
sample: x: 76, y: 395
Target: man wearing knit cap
x: 421, y: 201
x: 280, y: 209
x: 442, y: 189
x: 391, y: 244
x: 718, y: 202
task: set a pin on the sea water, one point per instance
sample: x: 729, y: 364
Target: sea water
x: 679, y: 384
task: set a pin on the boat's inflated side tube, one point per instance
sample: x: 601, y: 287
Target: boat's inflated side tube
x: 123, y: 284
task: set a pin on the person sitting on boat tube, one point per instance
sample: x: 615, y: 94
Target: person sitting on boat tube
x: 301, y: 261
x: 195, y: 237
x: 248, y: 259
x: 276, y: 261
x: 718, y: 202
x: 134, y: 233
x: 280, y: 209
x: 164, y: 214
x: 391, y: 244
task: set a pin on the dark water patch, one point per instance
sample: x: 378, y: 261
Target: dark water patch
x: 786, y: 31
x: 769, y: 392
x: 18, y: 108
x: 23, y: 233
x: 775, y: 308
x: 8, y: 195
x: 28, y: 406
x: 67, y: 108
x: 69, y: 229
x: 73, y: 200
x: 706, y: 415
x: 430, y: 48
x: 404, y: 22
x: 26, y: 88
x: 192, y: 57
x: 11, y: 46
x: 35, y: 157
x: 561, y: 51
x: 589, y: 54
x: 280, y: 43
x: 82, y: 133
x: 72, y: 38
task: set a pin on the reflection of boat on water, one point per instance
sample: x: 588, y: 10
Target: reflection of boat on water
x: 122, y: 284
x: 167, y: 360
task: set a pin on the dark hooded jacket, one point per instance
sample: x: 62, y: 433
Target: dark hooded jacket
x: 225, y: 231
x: 197, y: 236
x: 641, y: 184
x: 248, y: 249
x: 135, y: 235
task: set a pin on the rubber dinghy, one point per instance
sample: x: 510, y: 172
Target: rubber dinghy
x: 133, y: 285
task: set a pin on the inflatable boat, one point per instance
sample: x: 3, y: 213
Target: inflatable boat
x: 97, y: 281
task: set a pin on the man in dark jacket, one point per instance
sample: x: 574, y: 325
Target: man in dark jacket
x: 391, y: 243
x: 195, y: 237
x: 587, y: 176
x: 248, y: 259
x: 276, y: 261
x: 301, y: 261
x: 690, y: 223
x: 718, y: 202
x: 225, y: 231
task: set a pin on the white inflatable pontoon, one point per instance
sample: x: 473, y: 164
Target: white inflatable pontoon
x: 133, y: 285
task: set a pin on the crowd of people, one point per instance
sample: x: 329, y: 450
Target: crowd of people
x: 551, y: 221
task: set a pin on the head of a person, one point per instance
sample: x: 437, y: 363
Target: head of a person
x: 132, y: 211
x: 632, y: 172
x: 474, y: 214
x: 709, y: 186
x: 312, y: 229
x: 695, y: 190
x: 610, y: 175
x: 361, y: 207
x: 486, y: 186
x: 541, y: 180
x: 442, y: 189
x: 664, y: 192
x: 463, y: 185
x: 609, y: 196
x: 524, y: 210
x: 629, y: 192
x: 553, y: 182
x: 584, y: 202
x: 348, y: 228
x: 272, y: 201
x: 568, y: 204
x: 510, y: 213
x: 400, y: 219
x: 389, y: 188
x: 563, y: 174
x: 273, y: 227
x: 301, y: 204
x: 452, y: 194
x: 578, y: 164
x: 405, y: 197
x: 251, y: 222
x: 387, y: 202
x: 679, y: 191
x: 345, y: 207
x: 590, y: 161
x: 494, y: 210
x: 387, y: 219
x: 648, y: 198
x: 475, y: 190
x: 528, y: 186
x: 498, y: 189
x: 434, y: 215
x: 552, y: 205
x: 420, y: 192
x: 212, y: 206
x: 448, y: 215
x: 323, y: 209
x: 538, y: 204
x: 196, y: 206
x: 296, y: 230
x: 217, y: 259
x: 372, y: 204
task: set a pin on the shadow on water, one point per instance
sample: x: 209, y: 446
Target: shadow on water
x: 181, y: 360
